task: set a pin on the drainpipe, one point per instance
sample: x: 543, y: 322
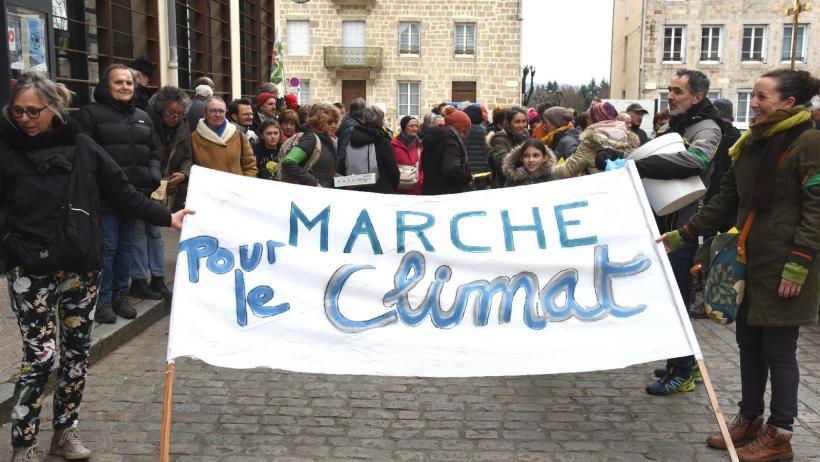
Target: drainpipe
x: 236, y: 50
x: 172, y: 63
x: 641, y: 74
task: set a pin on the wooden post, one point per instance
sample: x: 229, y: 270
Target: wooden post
x: 710, y: 391
x: 165, y: 431
x: 794, y: 12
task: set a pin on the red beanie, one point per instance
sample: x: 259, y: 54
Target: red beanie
x: 458, y: 120
x: 291, y: 101
x: 261, y: 98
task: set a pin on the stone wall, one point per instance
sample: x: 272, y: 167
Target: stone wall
x: 496, y: 67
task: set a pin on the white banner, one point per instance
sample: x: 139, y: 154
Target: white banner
x: 558, y: 277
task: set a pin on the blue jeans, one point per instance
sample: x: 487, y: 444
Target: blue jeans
x: 149, y: 251
x: 118, y: 245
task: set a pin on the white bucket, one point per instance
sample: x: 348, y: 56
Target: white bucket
x: 667, y: 196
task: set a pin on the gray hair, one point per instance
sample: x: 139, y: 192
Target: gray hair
x: 698, y: 82
x: 625, y: 117
x: 373, y: 116
x: 204, y: 90
x: 165, y: 96
x: 357, y: 108
x: 56, y: 96
x: 215, y: 98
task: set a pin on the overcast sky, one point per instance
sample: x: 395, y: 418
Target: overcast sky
x: 567, y: 41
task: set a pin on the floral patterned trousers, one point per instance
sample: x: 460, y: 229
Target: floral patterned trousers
x: 40, y: 303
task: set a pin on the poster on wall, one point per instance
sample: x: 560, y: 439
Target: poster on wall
x: 15, y: 42
x: 36, y: 44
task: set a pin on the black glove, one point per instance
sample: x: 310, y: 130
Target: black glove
x: 606, y: 154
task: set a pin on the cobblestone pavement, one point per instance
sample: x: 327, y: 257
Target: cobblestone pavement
x: 265, y: 415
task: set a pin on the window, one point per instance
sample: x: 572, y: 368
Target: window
x: 754, y: 44
x: 463, y: 91
x: 298, y: 38
x: 409, y: 99
x: 711, y: 39
x: 409, y: 38
x: 465, y: 39
x: 663, y: 103
x: 303, y: 92
x: 673, y: 42
x: 744, y: 107
x: 255, y: 44
x: 203, y: 44
x: 800, y: 49
x: 713, y: 95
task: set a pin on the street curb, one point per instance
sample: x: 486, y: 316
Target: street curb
x: 105, y: 338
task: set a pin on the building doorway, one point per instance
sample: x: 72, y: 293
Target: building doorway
x: 352, y: 89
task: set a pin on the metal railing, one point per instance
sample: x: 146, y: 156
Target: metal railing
x: 353, y: 57
x: 354, y: 2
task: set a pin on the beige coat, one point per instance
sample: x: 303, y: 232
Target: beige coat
x: 230, y: 153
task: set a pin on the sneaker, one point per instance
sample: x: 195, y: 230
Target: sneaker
x: 660, y: 373
x: 139, y: 289
x: 28, y: 454
x: 67, y: 443
x: 105, y: 313
x: 672, y: 383
x: 742, y: 430
x: 158, y: 285
x: 771, y: 444
x: 123, y: 307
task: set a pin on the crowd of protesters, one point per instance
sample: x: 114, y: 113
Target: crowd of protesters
x: 142, y: 148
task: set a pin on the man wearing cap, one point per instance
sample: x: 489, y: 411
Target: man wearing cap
x: 265, y: 109
x: 143, y: 70
x: 695, y: 119
x: 636, y: 111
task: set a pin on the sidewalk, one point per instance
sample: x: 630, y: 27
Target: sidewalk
x: 106, y: 337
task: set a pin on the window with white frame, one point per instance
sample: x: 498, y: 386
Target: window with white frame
x: 713, y: 95
x: 303, y: 92
x: 298, y: 38
x: 711, y: 43
x: 673, y: 43
x: 409, y: 99
x: 754, y: 44
x: 464, y: 39
x: 663, y: 103
x: 743, y: 113
x: 800, y: 49
x: 409, y: 38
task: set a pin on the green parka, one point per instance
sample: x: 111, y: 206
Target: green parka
x: 793, y: 221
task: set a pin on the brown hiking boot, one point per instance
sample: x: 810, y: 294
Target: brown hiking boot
x: 67, y: 443
x: 741, y: 429
x: 771, y: 444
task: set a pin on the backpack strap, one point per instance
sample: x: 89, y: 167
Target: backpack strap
x: 314, y: 156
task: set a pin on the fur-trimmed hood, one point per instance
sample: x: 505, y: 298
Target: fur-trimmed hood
x: 515, y: 172
x: 613, y: 135
x: 207, y: 134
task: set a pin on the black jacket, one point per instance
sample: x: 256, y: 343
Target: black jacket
x: 342, y: 139
x: 127, y: 134
x: 444, y: 163
x: 34, y: 180
x: 475, y: 142
x: 388, y: 178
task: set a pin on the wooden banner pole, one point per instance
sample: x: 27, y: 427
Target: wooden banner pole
x: 724, y: 430
x: 165, y: 435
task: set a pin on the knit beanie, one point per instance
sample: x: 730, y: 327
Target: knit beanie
x: 558, y: 116
x: 291, y: 101
x: 599, y: 112
x: 474, y: 113
x: 261, y: 98
x: 458, y: 120
x: 404, y: 121
x: 532, y: 115
x: 724, y: 109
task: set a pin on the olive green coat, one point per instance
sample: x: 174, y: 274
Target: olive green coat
x: 793, y: 220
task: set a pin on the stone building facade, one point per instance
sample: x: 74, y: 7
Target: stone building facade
x: 731, y: 41
x: 402, y: 56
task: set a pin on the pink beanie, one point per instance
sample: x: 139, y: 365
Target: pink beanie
x: 602, y: 111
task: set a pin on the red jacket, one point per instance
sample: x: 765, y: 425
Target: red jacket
x: 412, y: 156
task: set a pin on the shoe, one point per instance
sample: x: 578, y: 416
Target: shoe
x: 139, y: 289
x: 123, y: 307
x: 660, y: 373
x: 28, y: 454
x: 741, y: 429
x: 158, y: 285
x: 67, y: 443
x: 771, y: 444
x: 671, y: 383
x: 105, y: 313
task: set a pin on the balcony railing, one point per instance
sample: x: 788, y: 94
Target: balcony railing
x: 355, y: 2
x: 353, y: 57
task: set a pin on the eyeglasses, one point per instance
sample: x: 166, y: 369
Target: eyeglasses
x: 32, y: 112
x: 216, y: 111
x: 172, y: 115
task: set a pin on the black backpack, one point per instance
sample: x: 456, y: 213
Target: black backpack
x: 76, y: 242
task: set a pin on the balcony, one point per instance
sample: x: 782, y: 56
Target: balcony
x: 367, y: 3
x: 353, y: 58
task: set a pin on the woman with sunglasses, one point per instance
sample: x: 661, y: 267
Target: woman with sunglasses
x: 40, y: 146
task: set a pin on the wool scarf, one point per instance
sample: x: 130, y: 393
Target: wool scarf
x: 781, y: 120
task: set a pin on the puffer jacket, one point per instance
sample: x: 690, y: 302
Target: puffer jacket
x: 476, y: 144
x: 127, y: 135
x: 566, y: 143
x: 517, y: 175
x: 388, y: 177
x: 176, y: 140
x: 444, y: 163
x: 499, y: 144
x: 409, y: 156
x: 790, y: 226
x: 608, y: 134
